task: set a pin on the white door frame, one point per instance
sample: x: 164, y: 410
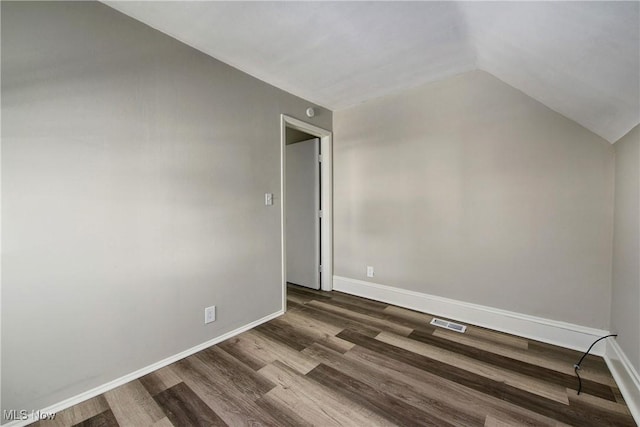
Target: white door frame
x: 326, y: 236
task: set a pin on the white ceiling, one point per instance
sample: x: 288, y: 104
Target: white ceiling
x: 581, y: 59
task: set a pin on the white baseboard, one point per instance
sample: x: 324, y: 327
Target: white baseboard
x: 563, y: 334
x: 67, y: 403
x: 626, y: 376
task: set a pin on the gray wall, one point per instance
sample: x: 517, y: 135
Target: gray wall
x: 133, y: 177
x: 468, y: 189
x: 625, y: 303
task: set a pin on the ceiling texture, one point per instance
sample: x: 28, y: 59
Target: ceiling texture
x: 581, y: 59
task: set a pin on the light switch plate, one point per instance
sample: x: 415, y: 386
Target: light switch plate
x: 268, y: 199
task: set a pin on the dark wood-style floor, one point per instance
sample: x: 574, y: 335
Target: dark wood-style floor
x: 335, y: 359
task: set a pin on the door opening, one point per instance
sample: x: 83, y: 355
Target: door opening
x: 303, y: 211
x: 306, y: 205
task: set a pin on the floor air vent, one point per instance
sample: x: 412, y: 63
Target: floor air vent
x: 449, y: 325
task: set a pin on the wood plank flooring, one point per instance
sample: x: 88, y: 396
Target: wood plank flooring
x: 335, y: 359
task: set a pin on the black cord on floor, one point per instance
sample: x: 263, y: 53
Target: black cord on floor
x: 577, y: 366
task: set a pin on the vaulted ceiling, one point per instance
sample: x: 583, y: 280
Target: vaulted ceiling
x: 582, y: 59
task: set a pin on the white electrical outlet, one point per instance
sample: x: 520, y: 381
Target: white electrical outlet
x: 369, y: 271
x: 210, y: 314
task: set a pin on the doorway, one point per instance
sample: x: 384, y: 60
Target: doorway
x: 306, y: 188
x: 303, y: 176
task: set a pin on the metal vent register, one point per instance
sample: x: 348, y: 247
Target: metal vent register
x: 449, y: 325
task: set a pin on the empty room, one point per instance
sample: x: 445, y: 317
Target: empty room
x: 319, y: 213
